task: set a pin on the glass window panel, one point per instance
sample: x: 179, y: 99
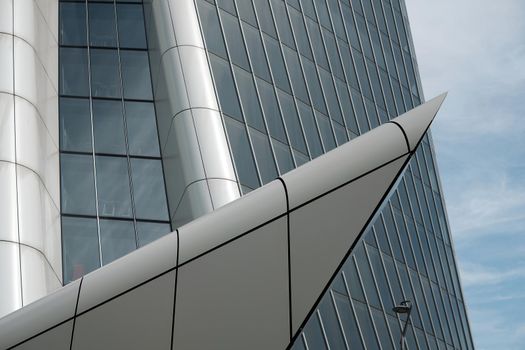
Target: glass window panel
x: 117, y: 238
x: 409, y: 294
x: 393, y: 279
x: 256, y: 52
x: 361, y: 73
x: 382, y: 329
x: 113, y: 190
x: 337, y: 19
x: 310, y: 130
x: 300, y: 158
x: 136, y: 76
x: 292, y: 122
x: 105, y: 77
x: 326, y: 132
x: 283, y: 155
x: 242, y: 154
x: 432, y: 307
x: 352, y: 280
x: 263, y: 156
x: 142, y: 129
x: 340, y: 134
x: 246, y: 12
x: 75, y: 125
x: 283, y: 26
x: 80, y: 247
x: 314, y: 334
x: 392, y: 234
x: 277, y: 64
x: 78, y: 184
x: 249, y: 99
x: 421, y: 302
x: 265, y: 17
x: 317, y: 43
x: 271, y: 110
x: 348, y: 321
x: 308, y: 8
x: 225, y: 87
x: 360, y: 112
x: 211, y: 28
x: 131, y: 30
x: 331, y: 323
x: 366, y: 325
x: 73, y: 24
x: 234, y: 40
x: 74, y: 72
x: 380, y: 231
x: 300, y: 33
x: 108, y: 125
x: 149, y: 193
x: 372, y: 113
x: 366, y: 276
x: 296, y: 74
x: 314, y: 86
x: 148, y: 232
x: 415, y: 246
x: 227, y: 5
x: 333, y: 54
x: 331, y: 96
x: 102, y: 25
x: 346, y: 105
x: 403, y: 235
x: 380, y: 276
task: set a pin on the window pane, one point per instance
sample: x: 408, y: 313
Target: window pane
x: 114, y: 197
x: 249, y: 99
x: 241, y: 153
x: 331, y: 323
x: 78, y: 185
x: 148, y: 189
x: 326, y: 131
x: 281, y: 18
x: 263, y: 155
x: 131, y: 31
x: 102, y: 25
x: 314, y: 334
x: 80, y: 247
x: 73, y: 24
x: 108, y: 124
x: 136, y: 77
x: 314, y: 86
x: 225, y: 87
x: 117, y: 238
x: 366, y: 325
x: 256, y: 52
x: 105, y: 79
x: 277, y: 64
x: 271, y: 110
x: 74, y: 72
x: 148, y: 232
x: 310, y: 130
x: 75, y: 125
x: 211, y: 28
x: 296, y: 75
x: 265, y: 17
x: 143, y: 139
x: 283, y: 155
x: 232, y: 31
x: 292, y: 122
x: 348, y: 321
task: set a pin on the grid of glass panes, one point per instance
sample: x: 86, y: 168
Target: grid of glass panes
x: 113, y: 197
x: 296, y: 78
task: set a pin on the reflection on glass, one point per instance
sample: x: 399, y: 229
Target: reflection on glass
x: 113, y: 190
x: 73, y: 72
x: 102, y: 25
x: 131, y: 33
x: 73, y: 24
x: 117, y: 238
x: 78, y: 186
x: 75, y: 125
x: 108, y: 124
x: 136, y: 78
x: 263, y: 155
x: 105, y: 77
x: 80, y: 247
x: 142, y: 129
x: 148, y: 189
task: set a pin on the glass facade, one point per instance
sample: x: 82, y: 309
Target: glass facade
x: 294, y: 80
x: 113, y: 196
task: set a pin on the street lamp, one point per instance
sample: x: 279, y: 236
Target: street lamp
x: 404, y: 307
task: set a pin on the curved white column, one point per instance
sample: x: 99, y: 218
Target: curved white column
x: 30, y: 247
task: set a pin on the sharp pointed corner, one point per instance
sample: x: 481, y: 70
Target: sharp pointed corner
x: 417, y: 121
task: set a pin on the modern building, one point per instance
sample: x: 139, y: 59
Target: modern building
x: 123, y: 121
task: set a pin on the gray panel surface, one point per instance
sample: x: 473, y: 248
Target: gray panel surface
x: 322, y: 232
x: 58, y: 338
x: 236, y: 297
x: 138, y: 319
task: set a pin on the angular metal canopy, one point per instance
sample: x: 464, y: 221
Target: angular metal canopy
x: 245, y: 276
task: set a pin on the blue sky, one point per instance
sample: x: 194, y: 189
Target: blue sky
x: 475, y: 49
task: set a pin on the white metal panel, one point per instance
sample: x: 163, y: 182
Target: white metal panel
x: 223, y: 191
x: 58, y: 338
x: 38, y: 278
x: 231, y: 220
x: 195, y: 202
x: 8, y: 204
x: 185, y: 23
x: 7, y: 127
x: 138, y: 319
x: 10, y: 280
x: 128, y: 272
x: 236, y: 297
x: 6, y: 63
x: 6, y: 16
x: 324, y: 230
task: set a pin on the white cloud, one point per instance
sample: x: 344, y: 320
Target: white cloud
x: 479, y: 275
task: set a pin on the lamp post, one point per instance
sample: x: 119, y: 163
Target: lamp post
x: 404, y: 307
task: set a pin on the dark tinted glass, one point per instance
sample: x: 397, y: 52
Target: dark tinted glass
x: 263, y: 156
x: 80, y: 247
x: 108, y: 124
x: 114, y: 197
x: 102, y: 25
x: 131, y: 33
x: 256, y: 52
x: 117, y: 238
x: 211, y: 28
x: 148, y: 189
x: 142, y: 129
x: 105, y: 76
x: 225, y: 87
x: 271, y: 110
x: 74, y: 72
x: 234, y: 40
x: 73, y: 24
x: 77, y: 183
x: 249, y: 99
x: 75, y: 125
x: 136, y: 78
